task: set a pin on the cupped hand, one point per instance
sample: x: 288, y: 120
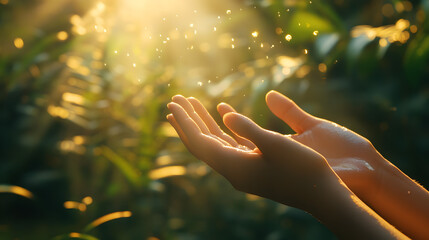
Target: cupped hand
x: 350, y: 155
x: 279, y: 168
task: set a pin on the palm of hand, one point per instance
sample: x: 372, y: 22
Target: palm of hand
x: 350, y: 155
x: 277, y: 163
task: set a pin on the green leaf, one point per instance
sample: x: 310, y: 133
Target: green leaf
x: 123, y: 165
x: 417, y: 59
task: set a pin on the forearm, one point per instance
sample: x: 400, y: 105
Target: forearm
x: 349, y: 218
x: 401, y: 201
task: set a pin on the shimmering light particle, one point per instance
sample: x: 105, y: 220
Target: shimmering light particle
x: 255, y: 34
x: 18, y: 42
x: 323, y: 67
x: 228, y: 11
x: 315, y: 33
x: 62, y: 35
x: 288, y: 37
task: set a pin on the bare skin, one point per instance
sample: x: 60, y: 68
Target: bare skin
x: 291, y: 170
x: 382, y: 186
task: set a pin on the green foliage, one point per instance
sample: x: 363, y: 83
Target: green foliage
x: 85, y: 116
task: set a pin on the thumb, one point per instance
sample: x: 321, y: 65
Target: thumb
x: 285, y: 109
x: 265, y: 140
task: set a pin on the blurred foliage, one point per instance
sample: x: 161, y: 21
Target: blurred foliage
x: 86, y: 152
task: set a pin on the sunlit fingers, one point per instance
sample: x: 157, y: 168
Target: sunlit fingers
x: 223, y: 109
x: 210, y: 122
x: 187, y: 124
x: 182, y: 101
x: 178, y: 129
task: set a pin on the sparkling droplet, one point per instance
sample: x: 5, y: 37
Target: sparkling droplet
x: 288, y: 37
x: 228, y: 11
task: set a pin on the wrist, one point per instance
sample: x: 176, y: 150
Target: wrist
x: 350, y: 218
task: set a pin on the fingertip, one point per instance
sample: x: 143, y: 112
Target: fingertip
x: 220, y: 105
x: 229, y: 116
x: 177, y: 97
x: 169, y: 116
x: 172, y: 105
x: 224, y: 108
x: 193, y: 101
x: 235, y: 121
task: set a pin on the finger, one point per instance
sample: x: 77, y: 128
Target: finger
x: 196, y: 141
x: 182, y: 101
x: 178, y: 129
x: 267, y: 142
x: 187, y: 124
x: 224, y: 108
x: 224, y: 159
x: 210, y: 122
x: 285, y: 109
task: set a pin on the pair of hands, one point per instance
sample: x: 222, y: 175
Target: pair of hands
x: 291, y: 169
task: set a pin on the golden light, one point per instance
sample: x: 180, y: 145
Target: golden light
x: 255, y: 34
x: 252, y: 197
x: 322, y: 67
x: 4, y: 2
x: 75, y: 205
x: 167, y: 172
x: 73, y: 98
x: 315, y: 33
x: 382, y: 42
x: 87, y: 200
x: 16, y: 190
x: 152, y: 238
x: 62, y: 35
x: 413, y: 29
x: 107, y: 218
x: 288, y: 37
x: 79, y: 140
x: 18, y: 42
x: 305, y: 51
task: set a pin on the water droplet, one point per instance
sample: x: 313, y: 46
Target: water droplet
x: 228, y: 11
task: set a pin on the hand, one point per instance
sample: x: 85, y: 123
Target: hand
x: 376, y: 181
x: 280, y: 168
x: 350, y: 155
